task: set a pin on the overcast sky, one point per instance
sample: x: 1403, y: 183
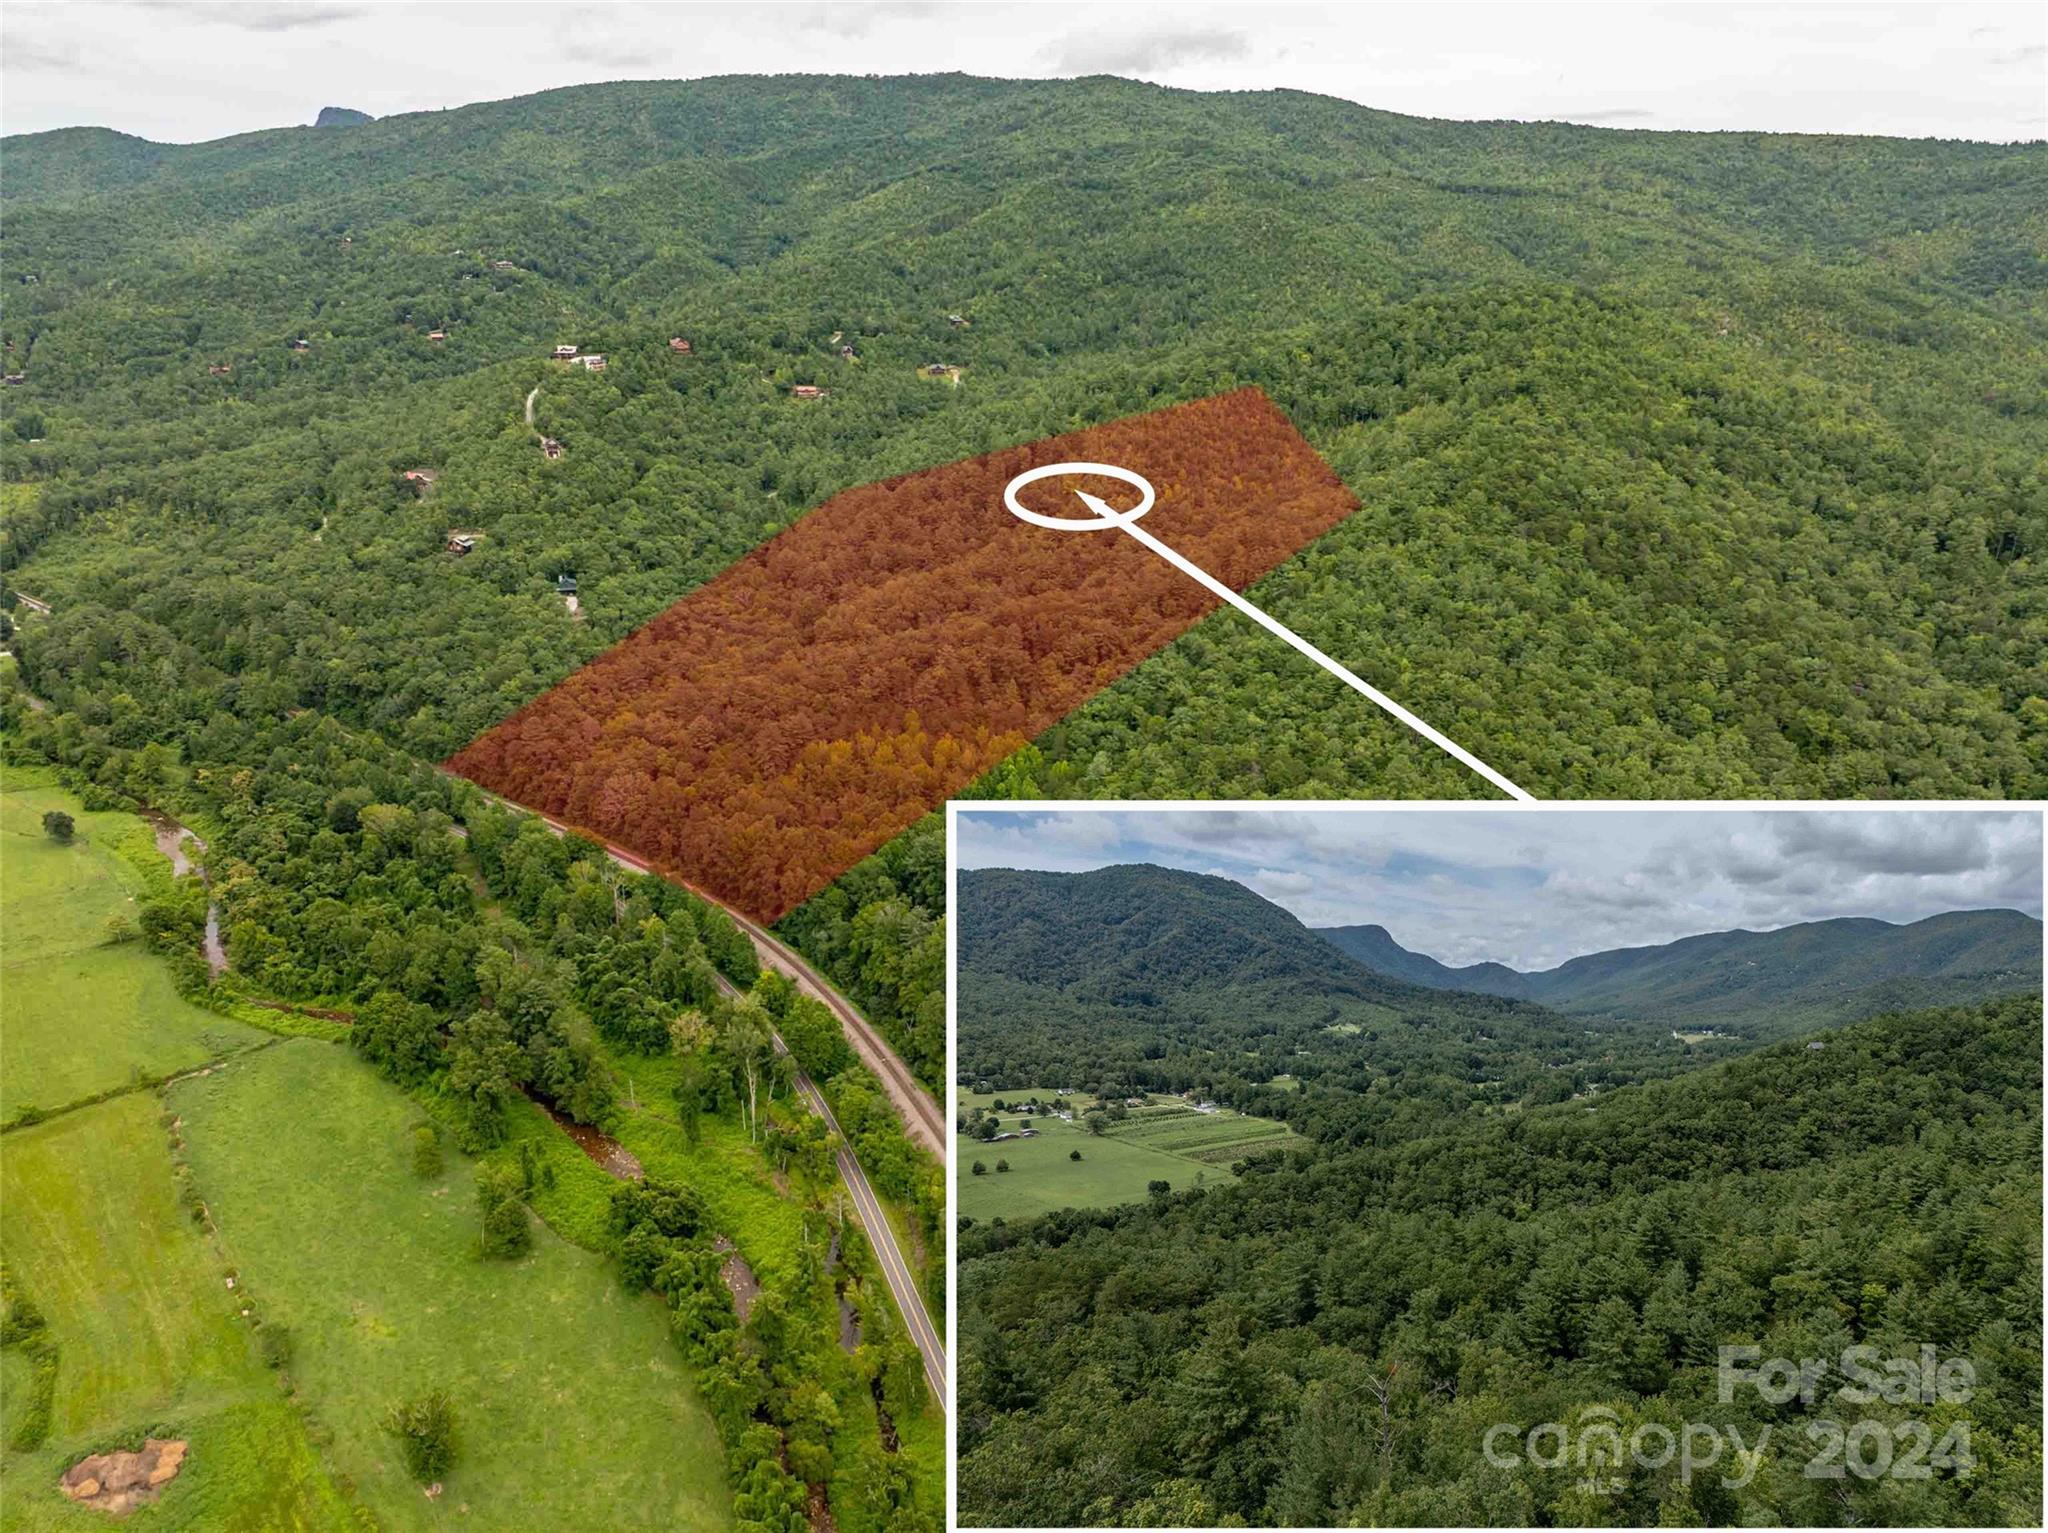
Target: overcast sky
x: 189, y: 71
x: 1532, y: 889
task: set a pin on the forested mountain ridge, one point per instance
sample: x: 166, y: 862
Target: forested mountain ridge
x: 1328, y: 1342
x: 1376, y: 948
x: 1142, y: 978
x: 1130, y: 933
x: 1113, y: 246
x: 1799, y: 975
x: 1689, y: 464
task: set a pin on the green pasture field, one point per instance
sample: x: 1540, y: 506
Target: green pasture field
x: 93, y: 1021
x: 1166, y: 1141
x: 58, y: 896
x: 149, y: 1337
x: 79, y: 1015
x: 573, y: 1403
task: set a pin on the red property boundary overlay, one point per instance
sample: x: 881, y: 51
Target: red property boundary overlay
x: 783, y: 721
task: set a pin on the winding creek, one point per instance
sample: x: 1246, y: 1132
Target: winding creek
x: 170, y: 840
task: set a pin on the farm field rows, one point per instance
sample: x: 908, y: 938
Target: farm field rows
x: 1166, y: 1140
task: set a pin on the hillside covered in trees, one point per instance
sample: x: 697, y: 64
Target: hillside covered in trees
x: 844, y: 680
x: 1688, y: 464
x: 1147, y: 979
x: 1495, y: 1213
x: 1777, y: 982
x: 1331, y: 1341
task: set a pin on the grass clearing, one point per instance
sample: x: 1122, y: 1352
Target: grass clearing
x: 86, y: 1022
x: 79, y: 1015
x: 574, y: 1405
x: 59, y: 894
x: 1164, y: 1140
x: 148, y: 1335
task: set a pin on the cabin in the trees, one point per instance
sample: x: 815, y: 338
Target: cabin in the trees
x: 550, y: 448
x: 956, y: 320
x: 424, y: 476
x: 565, y: 353
x: 591, y: 363
x: 565, y: 585
x: 502, y: 265
x: 806, y: 391
x: 302, y: 345
x: 13, y: 378
x: 849, y: 353
x: 437, y: 335
x: 218, y: 369
x: 679, y: 346
x: 461, y: 544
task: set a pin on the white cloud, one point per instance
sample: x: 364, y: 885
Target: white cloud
x: 211, y: 69
x: 1531, y: 888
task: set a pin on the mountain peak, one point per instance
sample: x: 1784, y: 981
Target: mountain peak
x: 1808, y: 974
x: 340, y: 117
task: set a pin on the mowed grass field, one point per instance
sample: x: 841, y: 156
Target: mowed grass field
x: 1167, y: 1141
x: 149, y: 1337
x: 573, y: 1404
x: 80, y: 1016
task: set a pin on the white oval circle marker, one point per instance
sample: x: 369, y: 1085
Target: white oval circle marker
x: 1105, y: 514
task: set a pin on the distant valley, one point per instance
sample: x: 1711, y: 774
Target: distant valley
x: 1136, y: 979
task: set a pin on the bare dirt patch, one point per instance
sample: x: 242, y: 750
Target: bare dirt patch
x: 739, y: 1278
x: 606, y: 1151
x: 120, y: 1482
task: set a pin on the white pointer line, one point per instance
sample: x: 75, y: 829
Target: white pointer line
x: 1127, y: 521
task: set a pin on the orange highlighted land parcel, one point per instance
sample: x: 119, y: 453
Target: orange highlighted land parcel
x: 783, y: 721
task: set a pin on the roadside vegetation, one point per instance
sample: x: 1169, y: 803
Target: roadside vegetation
x: 408, y: 1288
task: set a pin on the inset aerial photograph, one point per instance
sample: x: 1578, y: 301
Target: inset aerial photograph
x: 1326, y: 1166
